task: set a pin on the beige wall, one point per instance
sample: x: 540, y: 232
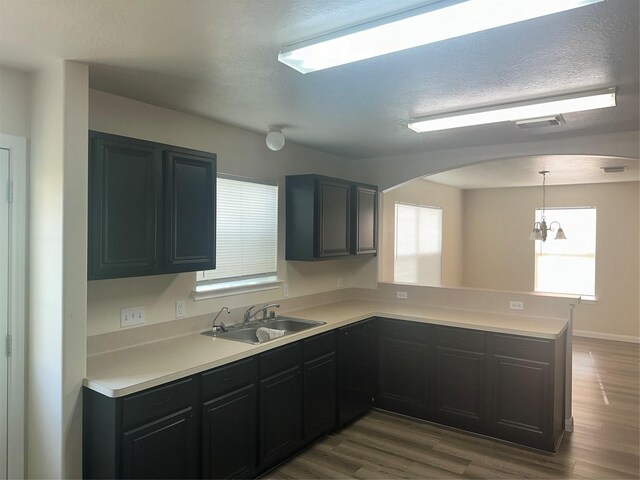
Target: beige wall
x: 422, y: 192
x: 498, y: 255
x: 15, y: 102
x: 239, y: 152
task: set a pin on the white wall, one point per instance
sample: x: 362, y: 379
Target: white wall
x: 15, y: 102
x: 239, y: 152
x: 57, y: 270
x: 503, y: 258
x: 422, y: 192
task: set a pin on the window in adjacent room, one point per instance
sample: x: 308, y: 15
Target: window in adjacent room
x: 418, y: 245
x: 568, y: 266
x: 246, y: 235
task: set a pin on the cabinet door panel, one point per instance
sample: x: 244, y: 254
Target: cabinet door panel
x: 229, y: 448
x: 460, y: 388
x: 125, y: 188
x: 356, y: 370
x: 319, y: 396
x: 334, y: 206
x: 190, y: 196
x: 166, y: 448
x: 366, y: 221
x: 402, y: 377
x: 280, y: 416
x: 521, y: 401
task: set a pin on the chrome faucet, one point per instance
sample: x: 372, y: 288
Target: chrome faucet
x: 248, y: 315
x: 215, y: 329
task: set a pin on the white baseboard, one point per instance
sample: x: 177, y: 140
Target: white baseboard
x: 568, y: 424
x: 606, y: 336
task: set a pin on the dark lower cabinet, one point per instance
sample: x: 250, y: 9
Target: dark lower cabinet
x: 357, y: 373
x: 165, y: 448
x: 319, y: 396
x: 229, y: 421
x: 280, y: 405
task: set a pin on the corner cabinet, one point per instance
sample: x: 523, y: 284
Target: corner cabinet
x: 328, y: 218
x: 151, y: 208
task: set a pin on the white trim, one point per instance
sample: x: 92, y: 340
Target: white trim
x: 17, y: 302
x: 236, y: 290
x: 606, y: 336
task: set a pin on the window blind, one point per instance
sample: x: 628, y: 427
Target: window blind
x: 246, y: 231
x: 567, y: 266
x: 418, y: 245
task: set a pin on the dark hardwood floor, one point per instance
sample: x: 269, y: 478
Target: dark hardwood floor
x: 603, y: 445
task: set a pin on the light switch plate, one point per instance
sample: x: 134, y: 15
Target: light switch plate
x: 132, y: 316
x: 402, y: 295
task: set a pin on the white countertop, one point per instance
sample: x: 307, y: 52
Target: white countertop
x: 133, y: 369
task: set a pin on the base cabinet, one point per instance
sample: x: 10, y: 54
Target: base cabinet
x: 319, y: 386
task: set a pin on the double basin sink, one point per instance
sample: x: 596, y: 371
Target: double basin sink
x: 247, y: 334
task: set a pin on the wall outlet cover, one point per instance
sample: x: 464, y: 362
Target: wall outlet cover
x: 402, y: 295
x: 339, y: 282
x: 181, y: 308
x: 131, y: 316
x: 514, y: 305
x: 285, y: 290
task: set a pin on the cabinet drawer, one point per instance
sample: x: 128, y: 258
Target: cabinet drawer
x: 522, y: 347
x: 460, y: 338
x: 158, y: 402
x: 319, y: 345
x: 280, y: 359
x: 229, y: 377
x: 403, y: 330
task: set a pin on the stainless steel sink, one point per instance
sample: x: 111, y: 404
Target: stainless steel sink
x: 248, y: 334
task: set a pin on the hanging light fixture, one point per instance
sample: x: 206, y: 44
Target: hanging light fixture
x: 540, y: 228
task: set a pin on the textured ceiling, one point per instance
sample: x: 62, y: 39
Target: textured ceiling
x: 217, y: 59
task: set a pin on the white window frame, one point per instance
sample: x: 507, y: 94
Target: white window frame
x: 435, y: 282
x: 539, y: 247
x: 225, y: 286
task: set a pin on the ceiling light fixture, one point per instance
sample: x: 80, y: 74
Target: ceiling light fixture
x: 540, y: 228
x: 275, y: 139
x: 429, y: 24
x: 513, y: 112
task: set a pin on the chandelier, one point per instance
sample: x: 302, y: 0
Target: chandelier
x: 540, y: 228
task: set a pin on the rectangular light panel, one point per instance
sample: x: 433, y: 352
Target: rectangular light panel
x: 429, y: 24
x: 577, y: 102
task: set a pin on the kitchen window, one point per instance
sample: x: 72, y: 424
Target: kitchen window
x: 246, y: 238
x: 418, y: 245
x: 568, y: 266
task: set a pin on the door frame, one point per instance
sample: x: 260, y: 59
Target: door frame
x: 17, y: 147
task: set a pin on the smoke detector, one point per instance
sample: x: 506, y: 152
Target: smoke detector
x: 554, y: 121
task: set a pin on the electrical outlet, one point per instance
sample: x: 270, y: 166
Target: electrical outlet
x: 516, y: 305
x: 339, y: 282
x: 131, y: 316
x: 402, y: 295
x: 285, y: 290
x: 181, y: 308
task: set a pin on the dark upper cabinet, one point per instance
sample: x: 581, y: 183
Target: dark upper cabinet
x: 151, y: 208
x: 329, y: 218
x: 190, y: 222
x: 125, y: 207
x: 460, y: 378
x: 365, y: 224
x: 356, y: 370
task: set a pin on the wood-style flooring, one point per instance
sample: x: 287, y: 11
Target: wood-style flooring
x: 603, y: 445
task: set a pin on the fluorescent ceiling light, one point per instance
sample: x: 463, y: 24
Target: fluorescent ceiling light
x: 577, y: 102
x: 429, y: 24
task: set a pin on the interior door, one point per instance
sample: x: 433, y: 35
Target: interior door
x: 4, y: 307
